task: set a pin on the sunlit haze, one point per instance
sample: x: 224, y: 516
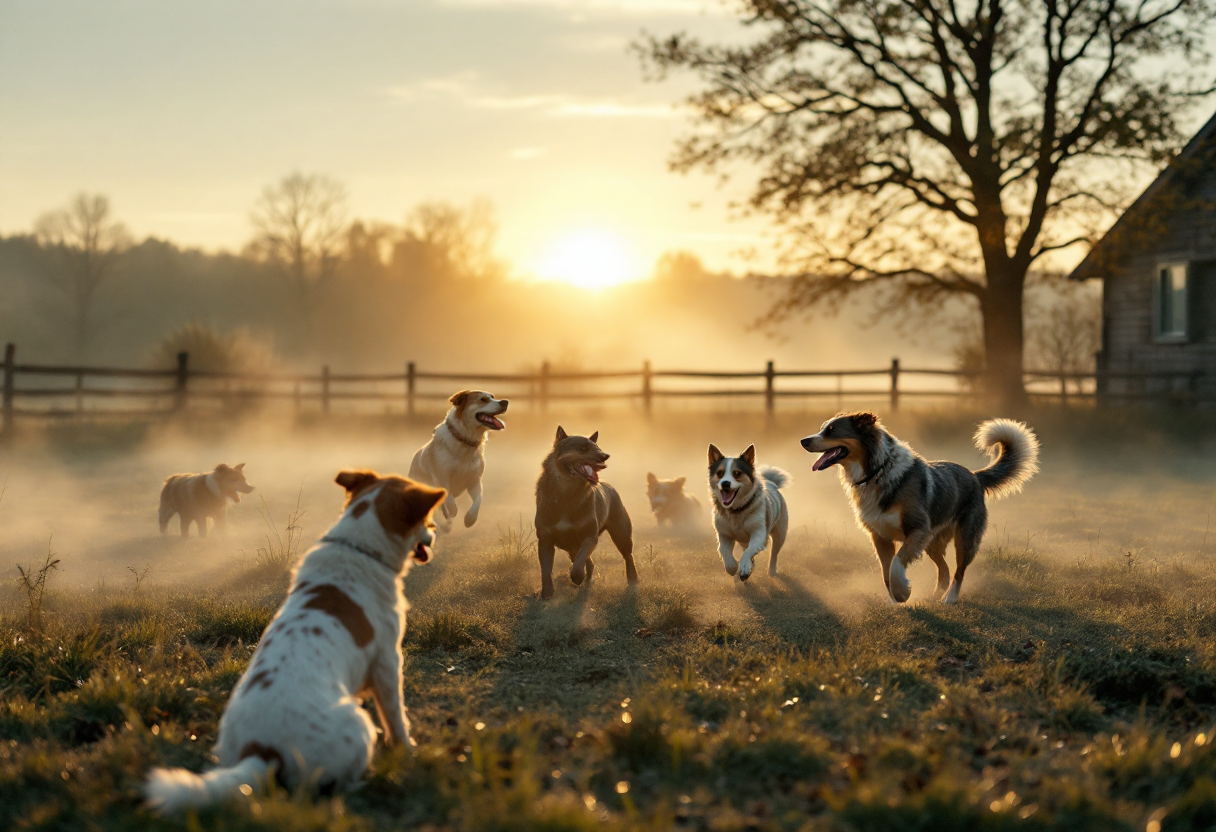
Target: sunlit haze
x: 591, y: 259
x: 183, y: 112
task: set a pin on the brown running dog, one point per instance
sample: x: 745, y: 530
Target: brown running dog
x: 573, y: 508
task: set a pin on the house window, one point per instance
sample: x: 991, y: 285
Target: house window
x: 1172, y: 302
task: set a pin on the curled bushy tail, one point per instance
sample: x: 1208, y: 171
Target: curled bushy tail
x: 779, y: 478
x: 170, y: 790
x: 1015, y: 452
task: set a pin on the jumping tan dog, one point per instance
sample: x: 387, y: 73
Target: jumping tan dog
x: 195, y: 497
x: 455, y: 458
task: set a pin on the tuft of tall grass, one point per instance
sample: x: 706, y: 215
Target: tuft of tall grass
x: 282, y: 550
x: 33, y: 583
x: 515, y: 545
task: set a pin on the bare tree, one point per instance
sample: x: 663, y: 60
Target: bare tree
x: 939, y: 147
x: 300, y: 226
x: 445, y: 241
x: 86, y: 242
x: 1065, y: 330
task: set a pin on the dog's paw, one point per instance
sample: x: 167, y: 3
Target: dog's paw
x: 901, y: 587
x: 546, y: 592
x: 577, y: 576
x: 951, y: 596
x: 470, y: 519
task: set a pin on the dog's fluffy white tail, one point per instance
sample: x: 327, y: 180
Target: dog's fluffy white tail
x: 779, y: 478
x: 1015, y: 452
x: 170, y: 790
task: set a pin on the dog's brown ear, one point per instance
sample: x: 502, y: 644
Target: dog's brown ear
x: 865, y: 420
x: 219, y: 469
x: 749, y: 456
x: 595, y: 436
x: 651, y: 477
x: 422, y: 500
x: 715, y: 456
x: 679, y: 483
x: 353, y: 480
x: 405, y: 504
x: 561, y: 434
x: 460, y: 399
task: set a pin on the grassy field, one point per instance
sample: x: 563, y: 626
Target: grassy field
x: 1074, y: 687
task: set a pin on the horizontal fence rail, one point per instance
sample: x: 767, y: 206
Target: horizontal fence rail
x: 167, y: 391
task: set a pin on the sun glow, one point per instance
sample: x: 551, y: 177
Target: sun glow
x: 591, y: 259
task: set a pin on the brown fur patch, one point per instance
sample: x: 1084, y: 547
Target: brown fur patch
x: 330, y: 599
x: 360, y: 509
x: 265, y: 752
x: 262, y: 677
x: 461, y: 401
x: 355, y: 482
x: 404, y: 504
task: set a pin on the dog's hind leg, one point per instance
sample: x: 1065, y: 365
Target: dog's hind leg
x: 545, y: 550
x: 937, y: 553
x: 780, y: 530
x: 966, y: 544
x: 185, y: 522
x: 620, y: 529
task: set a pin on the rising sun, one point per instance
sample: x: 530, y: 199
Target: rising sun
x: 591, y: 259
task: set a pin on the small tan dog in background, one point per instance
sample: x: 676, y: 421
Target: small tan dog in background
x: 296, y: 713
x: 195, y: 497
x: 671, y: 504
x: 455, y: 457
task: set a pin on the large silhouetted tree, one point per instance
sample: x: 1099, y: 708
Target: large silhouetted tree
x: 300, y: 226
x: 940, y: 147
x: 85, y: 241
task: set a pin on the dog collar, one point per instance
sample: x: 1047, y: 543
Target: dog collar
x: 743, y: 507
x: 371, y: 553
x: 460, y: 437
x: 874, y: 474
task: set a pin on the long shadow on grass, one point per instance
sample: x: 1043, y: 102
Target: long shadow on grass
x: 792, y: 611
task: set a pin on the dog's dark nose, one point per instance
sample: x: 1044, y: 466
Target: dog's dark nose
x: 503, y: 406
x: 606, y: 457
x: 806, y: 443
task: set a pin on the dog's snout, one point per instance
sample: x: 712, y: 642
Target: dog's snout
x: 502, y: 405
x: 808, y: 442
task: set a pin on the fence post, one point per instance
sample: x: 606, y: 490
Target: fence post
x: 768, y: 390
x: 79, y: 393
x: 410, y: 380
x: 325, y: 390
x: 10, y: 350
x: 183, y: 378
x: 1063, y: 389
x: 894, y: 384
x: 646, y: 393
x: 544, y: 387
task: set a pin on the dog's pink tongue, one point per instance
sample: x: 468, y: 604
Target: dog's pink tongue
x: 592, y: 474
x: 497, y: 423
x: 827, y: 459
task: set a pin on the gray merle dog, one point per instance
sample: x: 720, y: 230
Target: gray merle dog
x: 899, y: 497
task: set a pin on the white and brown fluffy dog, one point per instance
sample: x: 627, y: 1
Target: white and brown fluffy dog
x: 195, y: 497
x: 671, y: 504
x: 296, y: 714
x: 900, y: 497
x: 748, y: 509
x: 455, y: 457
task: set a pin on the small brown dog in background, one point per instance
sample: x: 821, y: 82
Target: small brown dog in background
x: 195, y: 497
x: 671, y: 504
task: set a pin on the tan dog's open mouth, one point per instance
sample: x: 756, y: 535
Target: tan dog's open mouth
x: 727, y: 496
x: 422, y: 553
x: 491, y: 421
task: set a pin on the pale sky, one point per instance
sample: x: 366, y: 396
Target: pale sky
x: 183, y: 110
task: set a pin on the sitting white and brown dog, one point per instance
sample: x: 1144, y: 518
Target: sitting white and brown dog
x: 455, y: 457
x: 748, y: 509
x: 296, y: 714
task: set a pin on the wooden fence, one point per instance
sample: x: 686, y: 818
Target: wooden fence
x: 39, y: 390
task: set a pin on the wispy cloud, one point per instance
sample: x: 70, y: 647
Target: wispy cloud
x: 462, y: 90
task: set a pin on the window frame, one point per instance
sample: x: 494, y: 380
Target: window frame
x: 1173, y: 337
